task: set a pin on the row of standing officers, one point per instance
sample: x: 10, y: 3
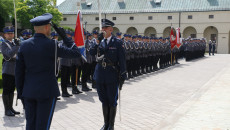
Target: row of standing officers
x: 142, y: 55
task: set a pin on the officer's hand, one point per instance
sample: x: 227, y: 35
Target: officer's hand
x: 61, y: 32
x: 68, y: 42
x: 121, y: 82
x: 100, y: 37
x: 16, y: 41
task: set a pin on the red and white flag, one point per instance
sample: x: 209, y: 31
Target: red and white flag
x: 79, y: 35
x: 172, y: 39
x: 178, y: 43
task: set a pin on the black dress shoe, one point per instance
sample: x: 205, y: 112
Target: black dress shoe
x: 75, y: 90
x: 85, y: 87
x: 9, y: 113
x: 66, y: 94
x: 15, y: 112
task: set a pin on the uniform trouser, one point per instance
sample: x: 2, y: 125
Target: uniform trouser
x: 85, y: 72
x: 132, y: 64
x: 161, y: 60
x: 8, y: 84
x: 73, y: 75
x: 128, y: 63
x: 213, y: 50
x: 142, y: 62
x: 108, y: 93
x: 65, y: 74
x: 137, y: 64
x: 176, y: 57
x: 39, y: 113
x: 210, y: 51
x: 79, y: 73
x: 93, y: 68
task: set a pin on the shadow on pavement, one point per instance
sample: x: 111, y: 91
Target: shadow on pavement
x: 18, y: 122
x: 75, y: 99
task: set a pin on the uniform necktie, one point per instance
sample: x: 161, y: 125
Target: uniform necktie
x: 105, y: 43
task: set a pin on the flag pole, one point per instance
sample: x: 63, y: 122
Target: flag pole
x: 99, y: 10
x: 15, y: 20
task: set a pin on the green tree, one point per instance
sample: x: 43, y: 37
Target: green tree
x: 29, y: 9
x: 6, y: 12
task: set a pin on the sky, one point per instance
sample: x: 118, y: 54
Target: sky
x: 59, y: 2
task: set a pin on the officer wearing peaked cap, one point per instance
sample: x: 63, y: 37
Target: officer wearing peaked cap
x: 54, y: 35
x: 9, y: 50
x: 35, y: 72
x: 86, y: 67
x: 118, y: 35
x: 94, y: 41
x: 111, y: 63
x: 26, y: 34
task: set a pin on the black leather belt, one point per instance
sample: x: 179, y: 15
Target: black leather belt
x: 105, y: 64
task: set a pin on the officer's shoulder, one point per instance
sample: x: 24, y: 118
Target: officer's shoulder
x: 117, y: 40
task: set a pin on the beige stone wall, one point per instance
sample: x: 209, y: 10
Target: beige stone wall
x: 200, y: 25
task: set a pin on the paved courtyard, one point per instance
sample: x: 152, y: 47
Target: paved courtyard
x: 189, y: 96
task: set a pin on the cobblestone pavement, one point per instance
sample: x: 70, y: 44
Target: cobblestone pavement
x: 192, y: 95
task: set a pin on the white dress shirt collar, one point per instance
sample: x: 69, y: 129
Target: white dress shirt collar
x: 108, y: 39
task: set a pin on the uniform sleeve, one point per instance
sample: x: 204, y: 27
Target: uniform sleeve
x: 122, y: 61
x: 20, y: 73
x: 71, y: 51
x: 9, y: 52
x: 93, y: 49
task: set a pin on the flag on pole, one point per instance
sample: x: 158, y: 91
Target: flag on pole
x: 178, y: 43
x: 172, y: 39
x: 79, y: 35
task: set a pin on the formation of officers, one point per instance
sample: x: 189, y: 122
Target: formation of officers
x: 147, y: 54
x: 141, y: 55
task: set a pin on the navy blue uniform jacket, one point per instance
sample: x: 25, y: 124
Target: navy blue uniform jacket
x: 35, y: 66
x: 113, y: 52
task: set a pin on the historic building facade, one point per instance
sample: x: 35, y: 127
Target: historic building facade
x: 208, y: 20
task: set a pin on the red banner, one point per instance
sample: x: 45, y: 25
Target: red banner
x: 178, y: 43
x: 79, y: 36
x: 172, y: 39
x: 79, y: 32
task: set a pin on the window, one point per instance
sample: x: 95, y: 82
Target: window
x: 150, y: 18
x: 97, y: 18
x: 211, y: 16
x: 114, y: 18
x: 153, y: 35
x: 213, y: 37
x: 193, y: 35
x: 131, y: 18
x: 64, y: 19
x: 189, y: 16
x: 169, y: 17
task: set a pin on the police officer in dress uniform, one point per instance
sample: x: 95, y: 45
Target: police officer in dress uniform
x: 26, y: 34
x: 210, y: 47
x: 9, y: 50
x: 213, y: 47
x: 76, y: 62
x: 35, y: 72
x: 86, y: 68
x: 126, y: 44
x: 111, y: 64
x: 54, y: 35
x: 94, y: 63
x: 118, y: 35
x: 66, y: 64
x: 132, y: 57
